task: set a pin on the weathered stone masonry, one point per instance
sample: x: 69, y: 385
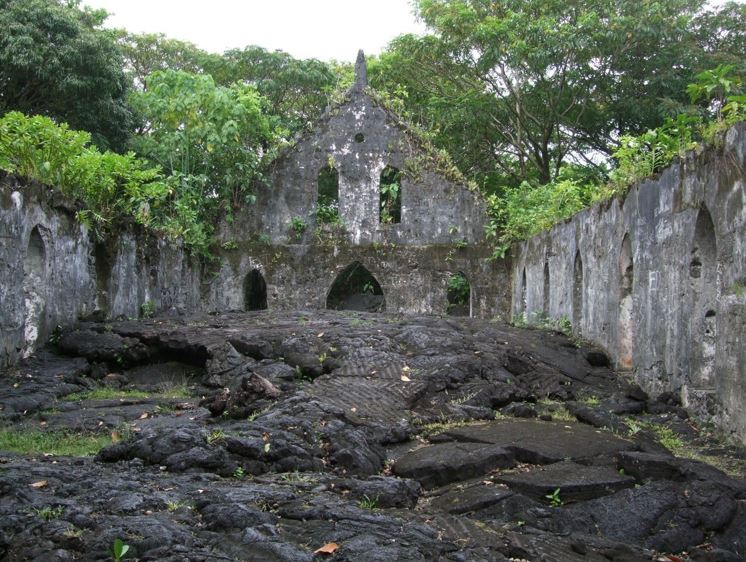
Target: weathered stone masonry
x: 658, y: 279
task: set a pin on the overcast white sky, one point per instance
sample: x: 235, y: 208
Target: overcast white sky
x: 322, y: 29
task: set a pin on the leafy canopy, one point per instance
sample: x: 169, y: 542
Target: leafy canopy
x: 515, y: 89
x: 55, y: 60
x: 210, y: 140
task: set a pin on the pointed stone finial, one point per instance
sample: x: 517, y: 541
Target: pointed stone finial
x: 361, y: 71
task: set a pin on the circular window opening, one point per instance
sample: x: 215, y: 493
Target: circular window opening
x: 360, y: 137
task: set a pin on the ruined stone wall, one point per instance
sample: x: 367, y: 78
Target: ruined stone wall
x: 360, y: 138
x: 52, y: 273
x: 658, y: 279
x: 413, y: 278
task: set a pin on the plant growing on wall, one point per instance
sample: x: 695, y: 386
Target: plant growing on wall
x: 298, y: 227
x: 390, y: 195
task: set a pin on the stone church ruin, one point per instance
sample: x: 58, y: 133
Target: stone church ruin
x: 653, y: 278
x: 343, y: 379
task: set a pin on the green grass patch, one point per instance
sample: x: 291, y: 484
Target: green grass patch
x: 556, y: 409
x: 58, y: 443
x: 105, y: 393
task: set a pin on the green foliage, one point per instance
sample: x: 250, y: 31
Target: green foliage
x: 459, y: 289
x: 57, y: 61
x: 390, y: 196
x: 119, y: 550
x: 528, y: 209
x: 239, y: 473
x: 297, y: 91
x: 111, y: 187
x: 554, y: 498
x: 47, y: 513
x: 327, y: 206
x: 59, y: 443
x: 298, y: 226
x: 515, y: 89
x: 106, y: 393
x: 520, y: 212
x: 147, y: 309
x: 149, y: 52
x: 215, y: 436
x: 209, y: 139
x: 367, y: 503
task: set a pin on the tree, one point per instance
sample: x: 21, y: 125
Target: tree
x: 148, y: 52
x: 56, y: 61
x: 297, y: 91
x: 528, y: 85
x: 210, y: 139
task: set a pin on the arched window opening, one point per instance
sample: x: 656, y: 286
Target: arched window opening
x: 355, y: 288
x: 34, y: 291
x: 327, y: 204
x: 626, y: 330
x: 255, y: 291
x: 545, y: 304
x: 459, y: 295
x: 390, y: 194
x: 577, y: 292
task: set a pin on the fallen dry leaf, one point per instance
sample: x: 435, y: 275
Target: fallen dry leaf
x: 144, y: 416
x: 328, y: 548
x: 39, y: 484
x: 405, y: 378
x: 115, y: 438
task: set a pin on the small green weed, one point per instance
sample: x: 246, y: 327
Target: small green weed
x: 239, y: 473
x: 215, y: 436
x: 589, y: 400
x: 298, y: 227
x: 48, y: 512
x: 176, y: 506
x: 368, y: 503
x: 554, y: 498
x: 119, y: 550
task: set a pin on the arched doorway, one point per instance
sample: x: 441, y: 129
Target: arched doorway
x: 459, y: 295
x: 34, y: 291
x: 255, y: 291
x: 355, y: 288
x: 625, y: 329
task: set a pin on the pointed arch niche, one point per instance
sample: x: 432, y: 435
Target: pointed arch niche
x: 355, y: 288
x: 703, y: 287
x: 577, y: 292
x: 545, y: 295
x: 34, y: 291
x: 625, y: 327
